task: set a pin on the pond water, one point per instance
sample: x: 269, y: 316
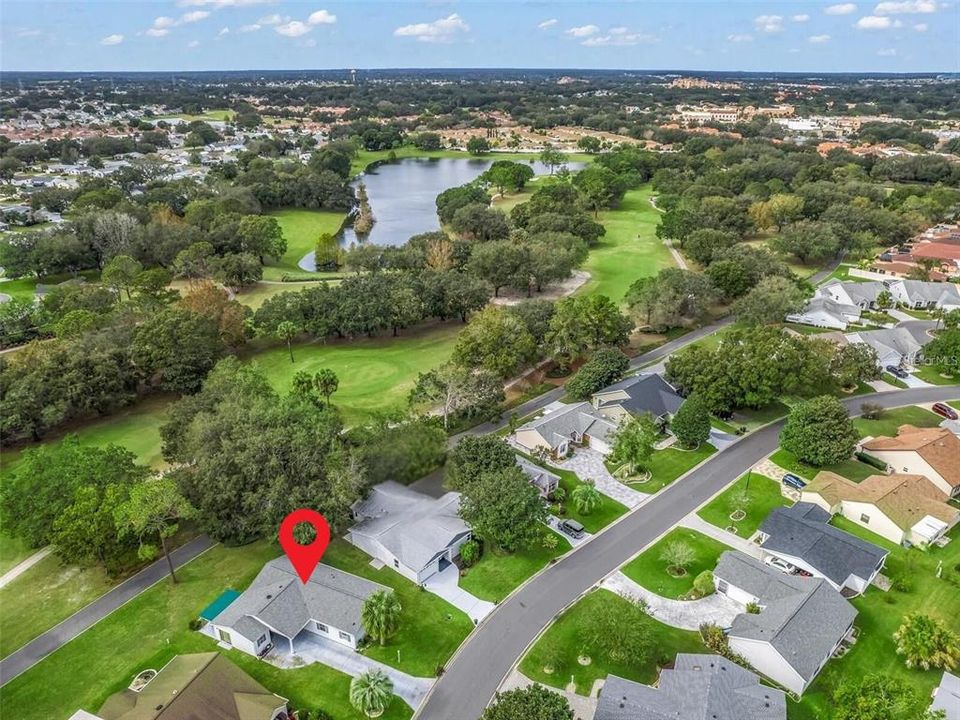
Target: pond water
x: 403, y: 196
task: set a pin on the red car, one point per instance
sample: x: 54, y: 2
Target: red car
x: 946, y: 411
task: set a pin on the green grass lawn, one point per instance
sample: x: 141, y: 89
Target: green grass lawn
x: 256, y: 295
x: 926, y: 373
x: 896, y: 382
x: 25, y: 287
x: 648, y: 570
x: 764, y: 495
x: 562, y: 644
x: 851, y: 469
x: 218, y: 115
x: 667, y: 465
x: 496, y: 575
x: 880, y: 614
x: 892, y: 419
x: 430, y: 628
x: 13, y: 551
x: 301, y: 229
x: 152, y: 628
x: 375, y: 374
x: 630, y: 248
x: 753, y: 418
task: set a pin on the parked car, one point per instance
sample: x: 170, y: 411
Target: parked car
x: 781, y: 565
x: 571, y: 528
x: 946, y: 411
x: 794, y: 481
x: 897, y: 372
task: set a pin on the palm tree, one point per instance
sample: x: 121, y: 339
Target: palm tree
x: 586, y: 497
x: 678, y: 555
x: 370, y: 692
x: 381, y: 615
x: 926, y: 642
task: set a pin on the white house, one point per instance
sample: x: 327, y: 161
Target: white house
x: 828, y: 313
x: 413, y: 533
x: 557, y: 430
x: 898, y: 346
x: 923, y: 295
x: 931, y: 452
x: 862, y: 295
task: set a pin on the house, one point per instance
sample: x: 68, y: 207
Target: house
x: 862, y: 295
x: 800, y: 624
x: 648, y: 393
x: 904, y: 509
x: 931, y: 452
x: 201, y: 685
x: 899, y: 346
x: 280, y: 610
x: 413, y: 533
x: 802, y: 536
x: 541, y: 478
x: 922, y: 295
x: 698, y: 686
x: 828, y: 313
x: 946, y: 697
x: 557, y: 430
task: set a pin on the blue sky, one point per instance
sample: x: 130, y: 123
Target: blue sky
x: 889, y: 35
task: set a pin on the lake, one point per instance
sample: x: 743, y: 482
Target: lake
x: 403, y: 196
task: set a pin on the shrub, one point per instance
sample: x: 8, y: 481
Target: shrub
x: 871, y: 411
x: 470, y: 552
x: 902, y: 583
x: 550, y: 541
x: 606, y: 366
x: 871, y: 460
x: 195, y: 624
x: 703, y: 584
x: 753, y: 608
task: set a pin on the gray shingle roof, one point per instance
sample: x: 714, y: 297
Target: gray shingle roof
x: 647, y: 393
x: 931, y: 291
x: 579, y: 418
x: 803, y: 531
x: 699, y: 687
x: 947, y: 697
x: 539, y: 476
x: 414, y: 527
x: 803, y: 618
x: 278, y: 600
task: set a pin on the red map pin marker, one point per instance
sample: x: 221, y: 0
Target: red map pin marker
x: 304, y: 558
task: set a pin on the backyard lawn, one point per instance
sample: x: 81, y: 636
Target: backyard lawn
x: 13, y: 551
x: 497, y: 575
x: 301, y: 229
x: 890, y: 420
x: 650, y: 571
x: 764, y: 494
x: 926, y: 373
x: 880, y: 614
x: 851, y: 469
x: 753, y: 418
x: 667, y: 465
x: 630, y: 248
x: 375, y: 374
x: 152, y: 628
x: 562, y: 643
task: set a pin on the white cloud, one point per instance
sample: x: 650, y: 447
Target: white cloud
x: 193, y: 44
x: 619, y: 37
x: 164, y: 22
x: 743, y: 37
x: 253, y: 27
x: 921, y: 27
x: 800, y: 18
x: 321, y: 17
x: 194, y: 16
x: 443, y: 30
x: 841, y: 9
x: 223, y: 31
x: 768, y: 23
x: 548, y: 23
x: 28, y: 32
x: 274, y: 19
x: 874, y: 22
x: 818, y: 39
x: 888, y: 52
x: 158, y: 32
x: 309, y: 42
x: 907, y: 7
x: 114, y: 39
x: 583, y: 31
x: 294, y: 28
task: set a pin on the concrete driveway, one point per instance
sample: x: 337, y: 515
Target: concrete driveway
x: 588, y: 465
x: 446, y: 584
x: 715, y: 609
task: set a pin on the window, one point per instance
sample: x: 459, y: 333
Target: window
x: 396, y: 563
x: 345, y: 636
x: 722, y: 586
x: 224, y: 635
x: 322, y: 628
x: 261, y: 640
x: 864, y: 518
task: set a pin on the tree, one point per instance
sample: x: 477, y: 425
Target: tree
x: 582, y: 322
x: 457, y: 390
x: 927, y: 642
x: 634, y: 440
x: 819, y: 432
x: 854, y: 363
x: 261, y: 235
x: 776, y: 212
x: 481, y: 223
x: 878, y: 697
x: 321, y: 384
x: 120, y: 273
x: 606, y: 366
x: 504, y: 508
x: 287, y: 331
x: 533, y: 702
x: 671, y: 298
x: 678, y: 555
x: 237, y: 270
x: 691, y: 424
x: 770, y: 301
x: 478, y: 145
x: 477, y: 455
x: 617, y: 630
x: 589, y: 144
x: 380, y: 615
x: 506, y: 174
x: 153, y: 510
x: 371, y: 692
x: 551, y: 157
x: 176, y: 348
x: 586, y: 497
x: 494, y: 340
x: 943, y: 352
x: 808, y: 241
x: 500, y: 263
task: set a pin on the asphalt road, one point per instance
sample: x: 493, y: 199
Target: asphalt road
x: 54, y: 638
x: 474, y: 673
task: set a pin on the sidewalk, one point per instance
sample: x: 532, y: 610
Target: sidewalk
x: 715, y: 609
x: 583, y: 707
x: 446, y: 584
x: 18, y: 570
x: 695, y: 522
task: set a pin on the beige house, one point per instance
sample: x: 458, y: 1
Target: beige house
x: 901, y: 508
x: 559, y: 430
x: 931, y: 452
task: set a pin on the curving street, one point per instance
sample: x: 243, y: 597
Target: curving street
x: 473, y: 675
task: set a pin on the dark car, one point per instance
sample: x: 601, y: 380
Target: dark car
x: 944, y: 410
x: 791, y: 480
x: 571, y: 528
x: 897, y: 372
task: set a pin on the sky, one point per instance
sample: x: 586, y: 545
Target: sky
x: 170, y: 35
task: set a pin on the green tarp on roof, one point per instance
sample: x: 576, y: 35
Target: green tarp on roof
x: 211, y: 611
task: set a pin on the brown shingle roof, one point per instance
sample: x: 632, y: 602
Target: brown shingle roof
x: 938, y: 446
x: 905, y: 499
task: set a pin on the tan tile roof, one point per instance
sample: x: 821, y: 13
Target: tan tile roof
x: 938, y: 446
x: 905, y: 499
